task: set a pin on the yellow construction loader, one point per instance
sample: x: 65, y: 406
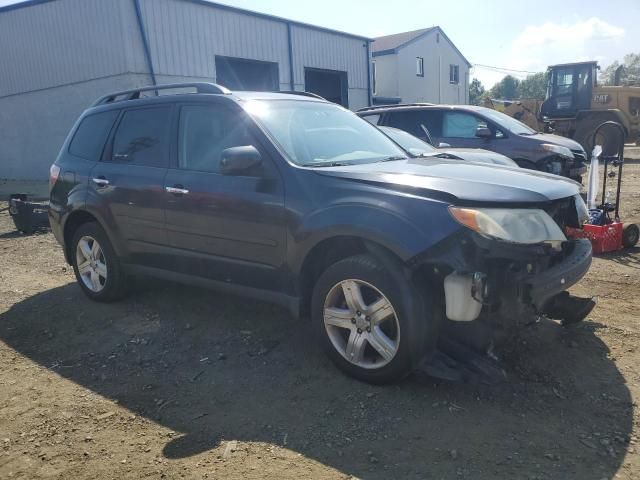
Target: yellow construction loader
x: 576, y: 105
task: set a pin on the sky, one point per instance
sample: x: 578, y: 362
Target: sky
x: 509, y: 34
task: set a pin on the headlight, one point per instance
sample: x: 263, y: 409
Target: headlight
x: 563, y: 151
x: 581, y: 210
x: 517, y: 225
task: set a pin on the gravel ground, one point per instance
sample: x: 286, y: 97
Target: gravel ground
x: 175, y: 382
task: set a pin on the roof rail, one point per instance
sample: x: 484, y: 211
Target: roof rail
x: 396, y: 105
x: 201, y: 87
x: 304, y: 94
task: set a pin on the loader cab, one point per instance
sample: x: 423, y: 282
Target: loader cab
x: 569, y: 89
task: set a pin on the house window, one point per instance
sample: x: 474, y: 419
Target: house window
x: 374, y: 73
x: 454, y: 74
x: 420, y: 66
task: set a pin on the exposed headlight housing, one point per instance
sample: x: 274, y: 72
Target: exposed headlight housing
x: 557, y: 149
x: 517, y: 225
x: 581, y: 210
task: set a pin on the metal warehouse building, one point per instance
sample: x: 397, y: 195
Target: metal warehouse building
x: 58, y: 56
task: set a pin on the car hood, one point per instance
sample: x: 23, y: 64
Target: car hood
x: 558, y: 140
x: 459, y: 182
x: 479, y: 155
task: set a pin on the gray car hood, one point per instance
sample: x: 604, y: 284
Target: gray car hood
x: 479, y: 155
x: 457, y: 181
x: 558, y: 140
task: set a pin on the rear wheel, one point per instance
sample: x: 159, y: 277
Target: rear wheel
x: 630, y: 235
x: 371, y: 321
x: 97, y: 268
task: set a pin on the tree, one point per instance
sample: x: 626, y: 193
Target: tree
x: 476, y: 92
x: 630, y: 73
x: 505, y: 89
x: 534, y: 86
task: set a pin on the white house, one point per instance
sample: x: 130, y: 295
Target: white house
x: 419, y: 66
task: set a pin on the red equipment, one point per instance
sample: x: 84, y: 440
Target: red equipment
x: 609, y: 234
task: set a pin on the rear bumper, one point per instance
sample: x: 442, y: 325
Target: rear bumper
x: 55, y: 220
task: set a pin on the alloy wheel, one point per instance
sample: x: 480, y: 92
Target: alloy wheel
x: 92, y: 265
x: 361, y: 324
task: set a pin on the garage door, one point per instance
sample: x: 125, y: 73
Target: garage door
x: 329, y: 84
x: 245, y: 74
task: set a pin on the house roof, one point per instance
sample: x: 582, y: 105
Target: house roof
x: 398, y: 40
x: 390, y: 44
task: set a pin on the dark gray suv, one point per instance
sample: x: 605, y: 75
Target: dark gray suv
x: 479, y: 127
x: 291, y: 199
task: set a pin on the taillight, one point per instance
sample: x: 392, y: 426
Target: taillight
x: 54, y: 171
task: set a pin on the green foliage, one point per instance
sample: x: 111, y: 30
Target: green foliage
x: 630, y: 73
x: 476, y: 92
x: 534, y: 86
x: 505, y: 89
x: 510, y: 88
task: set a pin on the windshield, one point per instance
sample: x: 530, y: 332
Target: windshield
x: 411, y: 144
x: 322, y: 134
x: 505, y: 121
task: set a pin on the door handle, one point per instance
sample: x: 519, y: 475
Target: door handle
x: 177, y: 190
x: 100, y: 181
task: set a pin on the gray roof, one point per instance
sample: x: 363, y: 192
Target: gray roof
x: 392, y: 43
x: 397, y: 40
x: 209, y: 3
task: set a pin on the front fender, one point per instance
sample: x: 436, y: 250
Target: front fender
x: 402, y: 236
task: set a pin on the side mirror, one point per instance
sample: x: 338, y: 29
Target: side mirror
x: 239, y: 160
x: 443, y: 145
x: 483, y: 132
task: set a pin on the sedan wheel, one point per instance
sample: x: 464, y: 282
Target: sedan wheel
x: 92, y: 265
x: 361, y: 324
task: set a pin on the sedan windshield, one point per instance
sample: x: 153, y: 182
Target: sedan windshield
x: 408, y: 142
x: 507, y: 122
x: 322, y: 134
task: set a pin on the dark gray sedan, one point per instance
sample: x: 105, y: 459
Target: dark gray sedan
x: 418, y: 148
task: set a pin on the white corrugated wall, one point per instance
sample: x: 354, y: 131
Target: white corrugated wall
x: 56, y: 57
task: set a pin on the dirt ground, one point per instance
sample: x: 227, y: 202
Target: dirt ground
x: 175, y: 382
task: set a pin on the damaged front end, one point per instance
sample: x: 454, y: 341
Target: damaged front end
x: 494, y: 286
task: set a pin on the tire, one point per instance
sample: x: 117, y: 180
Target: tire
x: 630, y: 235
x: 405, y: 336
x: 609, y: 138
x: 96, y: 265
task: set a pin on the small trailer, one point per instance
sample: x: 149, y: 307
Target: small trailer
x: 28, y: 216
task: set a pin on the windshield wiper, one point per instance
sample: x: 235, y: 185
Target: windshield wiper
x: 439, y: 155
x: 393, y: 158
x: 329, y: 164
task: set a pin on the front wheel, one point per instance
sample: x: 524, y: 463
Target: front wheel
x: 371, y: 321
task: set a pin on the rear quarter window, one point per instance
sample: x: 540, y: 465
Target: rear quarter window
x: 373, y: 119
x: 91, y: 135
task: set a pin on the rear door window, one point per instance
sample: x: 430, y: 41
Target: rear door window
x: 91, y: 135
x: 416, y: 122
x: 142, y: 137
